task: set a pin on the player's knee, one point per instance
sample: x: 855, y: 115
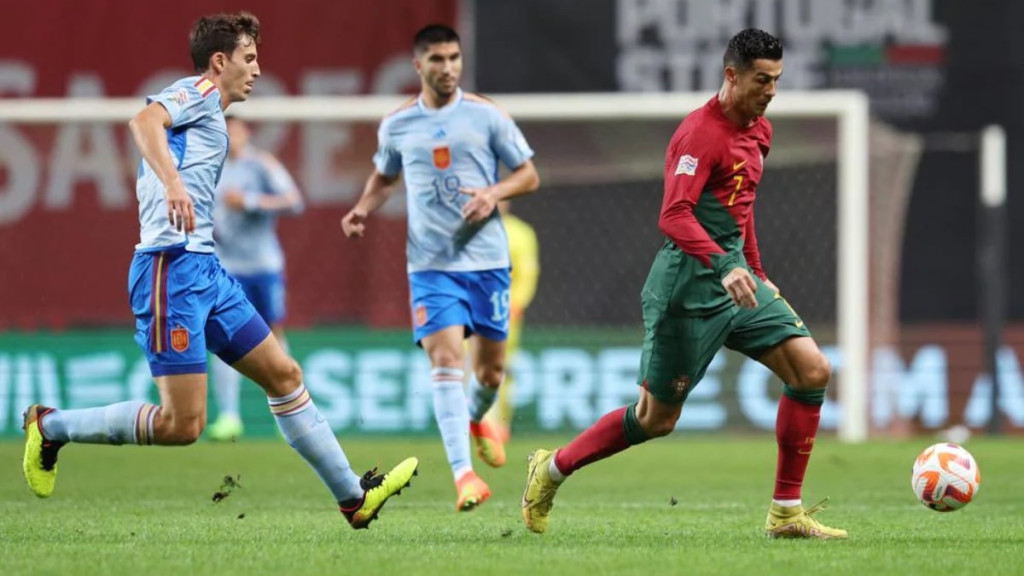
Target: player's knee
x: 657, y: 425
x: 189, y: 434
x: 281, y: 378
x: 285, y: 378
x: 817, y: 374
x: 290, y: 373
x: 182, y: 431
x: 659, y: 428
x: 657, y: 418
x: 444, y: 358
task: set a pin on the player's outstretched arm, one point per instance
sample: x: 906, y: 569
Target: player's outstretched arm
x: 149, y: 130
x: 379, y: 187
x: 521, y: 180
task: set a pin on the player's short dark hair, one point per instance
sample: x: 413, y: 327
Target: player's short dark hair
x: 749, y: 45
x: 220, y: 33
x: 433, y: 34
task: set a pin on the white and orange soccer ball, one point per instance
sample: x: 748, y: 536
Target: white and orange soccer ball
x: 946, y: 477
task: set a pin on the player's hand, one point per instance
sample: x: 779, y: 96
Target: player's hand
x: 480, y: 206
x: 180, y: 210
x: 741, y: 287
x: 234, y: 199
x: 354, y: 223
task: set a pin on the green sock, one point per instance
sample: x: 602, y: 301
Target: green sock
x: 635, y: 433
x: 814, y: 397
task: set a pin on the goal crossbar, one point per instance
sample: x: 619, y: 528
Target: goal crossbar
x: 546, y: 107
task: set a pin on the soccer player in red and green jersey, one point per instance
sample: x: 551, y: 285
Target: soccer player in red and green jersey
x: 707, y: 289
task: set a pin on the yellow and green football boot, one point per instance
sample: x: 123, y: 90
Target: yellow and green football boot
x: 378, y: 488
x: 40, y: 462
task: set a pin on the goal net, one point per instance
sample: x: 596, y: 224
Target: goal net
x: 829, y: 212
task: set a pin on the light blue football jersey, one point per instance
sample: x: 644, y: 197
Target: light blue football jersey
x: 246, y: 239
x: 198, y: 138
x: 440, y: 151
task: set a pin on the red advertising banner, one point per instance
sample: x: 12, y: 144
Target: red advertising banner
x: 68, y: 213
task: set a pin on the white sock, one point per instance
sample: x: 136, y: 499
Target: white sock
x: 553, y: 471
x: 128, y: 422
x: 309, y: 434
x: 452, y: 417
x: 788, y: 503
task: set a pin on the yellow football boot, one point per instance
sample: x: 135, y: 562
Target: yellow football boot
x: 795, y: 522
x: 378, y: 489
x: 40, y: 462
x: 539, y: 496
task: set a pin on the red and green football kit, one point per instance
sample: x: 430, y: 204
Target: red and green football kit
x: 712, y: 169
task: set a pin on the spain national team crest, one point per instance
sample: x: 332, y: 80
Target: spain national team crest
x: 420, y: 315
x: 680, y: 386
x: 442, y: 158
x: 179, y: 339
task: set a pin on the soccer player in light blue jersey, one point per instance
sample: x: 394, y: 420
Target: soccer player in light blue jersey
x: 449, y: 145
x: 254, y: 190
x: 185, y: 303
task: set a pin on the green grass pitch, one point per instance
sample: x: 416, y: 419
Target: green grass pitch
x: 150, y: 511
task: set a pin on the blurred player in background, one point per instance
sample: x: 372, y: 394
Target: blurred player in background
x: 707, y: 289
x: 254, y: 190
x: 449, y: 143
x: 525, y: 257
x: 185, y: 303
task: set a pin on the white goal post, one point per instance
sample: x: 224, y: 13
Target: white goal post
x: 848, y: 108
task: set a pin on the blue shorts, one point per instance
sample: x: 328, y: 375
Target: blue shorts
x: 185, y: 304
x: 476, y: 300
x: 266, y: 293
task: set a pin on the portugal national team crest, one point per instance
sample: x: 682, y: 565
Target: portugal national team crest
x: 680, y: 386
x: 179, y: 339
x: 420, y: 315
x: 442, y: 158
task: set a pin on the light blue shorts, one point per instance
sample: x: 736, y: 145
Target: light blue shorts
x: 185, y: 304
x: 479, y: 301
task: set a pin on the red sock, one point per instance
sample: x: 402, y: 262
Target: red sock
x: 795, y: 428
x: 606, y: 437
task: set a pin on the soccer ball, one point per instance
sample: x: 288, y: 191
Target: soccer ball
x: 945, y: 477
